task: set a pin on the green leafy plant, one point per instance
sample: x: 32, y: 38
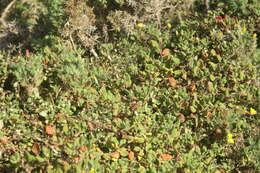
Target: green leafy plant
x: 168, y: 90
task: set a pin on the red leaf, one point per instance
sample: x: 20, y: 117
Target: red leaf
x: 83, y: 149
x: 219, y: 18
x: 193, y: 116
x: 166, y: 156
x: 49, y: 130
x: 181, y: 117
x: 165, y: 51
x: 27, y: 52
x: 131, y: 155
x: 209, y: 115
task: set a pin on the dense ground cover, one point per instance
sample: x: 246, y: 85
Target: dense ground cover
x: 130, y: 88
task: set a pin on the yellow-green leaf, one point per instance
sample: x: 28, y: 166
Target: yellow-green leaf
x: 230, y: 139
x: 253, y: 111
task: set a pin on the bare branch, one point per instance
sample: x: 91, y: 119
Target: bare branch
x: 5, y: 12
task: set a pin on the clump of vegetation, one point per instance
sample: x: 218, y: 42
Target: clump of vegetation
x: 114, y: 86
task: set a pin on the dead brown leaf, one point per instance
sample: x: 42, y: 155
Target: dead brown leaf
x: 172, y: 82
x: 36, y: 148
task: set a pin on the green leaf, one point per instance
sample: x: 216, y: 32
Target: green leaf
x: 210, y: 87
x: 43, y: 113
x: 29, y: 157
x: 176, y: 61
x: 39, y: 159
x: 219, y: 58
x: 175, y: 133
x: 178, y: 72
x: 141, y: 169
x: 212, y: 78
x: 136, y: 148
x: 139, y: 139
x: 15, y: 158
x: 213, y: 52
x: 123, y: 152
x: 193, y: 109
x: 213, y: 65
x: 65, y: 128
x: 154, y: 44
x: 46, y: 151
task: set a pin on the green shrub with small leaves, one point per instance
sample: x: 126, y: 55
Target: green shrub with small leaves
x: 242, y: 8
x: 131, y: 90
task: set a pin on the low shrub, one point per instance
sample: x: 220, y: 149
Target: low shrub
x: 179, y: 94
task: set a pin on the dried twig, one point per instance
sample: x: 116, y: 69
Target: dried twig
x: 94, y: 52
x: 5, y: 12
x: 207, y: 4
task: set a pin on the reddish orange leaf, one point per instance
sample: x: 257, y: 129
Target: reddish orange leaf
x: 134, y: 106
x: 36, y: 148
x: 76, y: 158
x: 178, y: 158
x: 192, y: 87
x: 166, y: 156
x: 49, y: 130
x: 205, y: 54
x: 193, y: 116
x: 27, y: 52
x: 131, y: 155
x: 91, y: 126
x: 165, y: 51
x: 45, y: 61
x: 83, y: 149
x: 219, y: 18
x: 4, y: 140
x: 13, y: 149
x: 172, y: 82
x: 181, y: 117
x: 209, y: 115
x: 115, y: 155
